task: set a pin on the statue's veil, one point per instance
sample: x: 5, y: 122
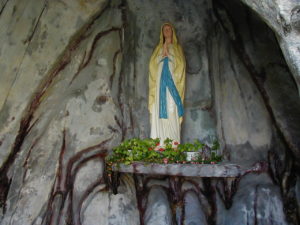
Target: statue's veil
x: 179, y: 70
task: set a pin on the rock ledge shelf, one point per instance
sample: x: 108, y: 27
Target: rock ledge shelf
x: 191, y: 170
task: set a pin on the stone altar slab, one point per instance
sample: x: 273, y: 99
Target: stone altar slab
x: 191, y: 170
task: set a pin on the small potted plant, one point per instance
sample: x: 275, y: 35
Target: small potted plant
x: 192, y: 150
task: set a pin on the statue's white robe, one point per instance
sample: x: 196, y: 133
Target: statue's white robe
x: 160, y: 127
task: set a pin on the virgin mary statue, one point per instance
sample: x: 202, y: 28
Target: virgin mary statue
x: 166, y: 86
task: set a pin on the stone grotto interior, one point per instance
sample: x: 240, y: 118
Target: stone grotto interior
x: 74, y: 84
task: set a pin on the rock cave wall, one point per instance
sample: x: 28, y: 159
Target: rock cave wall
x: 74, y: 85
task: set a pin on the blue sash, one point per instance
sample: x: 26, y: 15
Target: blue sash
x: 166, y: 81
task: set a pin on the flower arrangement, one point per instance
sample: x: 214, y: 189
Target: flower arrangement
x: 150, y: 151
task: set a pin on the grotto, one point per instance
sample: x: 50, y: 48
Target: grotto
x: 74, y: 84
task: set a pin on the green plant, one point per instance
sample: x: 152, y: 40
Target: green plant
x: 150, y: 151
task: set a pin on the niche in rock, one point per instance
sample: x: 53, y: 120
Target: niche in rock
x: 238, y: 88
x: 193, y: 22
x: 234, y: 70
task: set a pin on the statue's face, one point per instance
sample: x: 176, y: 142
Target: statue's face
x: 167, y: 31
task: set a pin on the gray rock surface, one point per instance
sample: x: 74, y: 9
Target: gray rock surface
x: 257, y: 201
x: 106, y: 208
x: 239, y: 106
x: 55, y: 157
x: 194, y: 214
x: 283, y: 17
x: 255, y: 46
x: 158, y: 211
x: 74, y: 84
x: 191, y: 170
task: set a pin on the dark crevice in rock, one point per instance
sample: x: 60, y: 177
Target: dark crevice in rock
x: 56, y: 191
x: 25, y: 164
x: 210, y: 193
x: 122, y: 127
x: 25, y: 124
x: 285, y: 130
x: 84, y: 62
x: 222, y: 14
x: 59, y: 174
x: 226, y: 188
x: 229, y: 188
x: 175, y: 186
x: 121, y: 87
x: 28, y: 40
x: 275, y: 167
x: 255, y: 205
x: 4, y: 188
x: 64, y: 184
x: 288, y: 181
x: 112, y: 129
x: 176, y: 198
x: 4, y: 180
x: 85, y: 195
x: 79, y: 160
x: 3, y: 7
x: 112, y: 76
x: 140, y: 193
x: 285, y: 68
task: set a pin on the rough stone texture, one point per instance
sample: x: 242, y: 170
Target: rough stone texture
x: 105, y: 208
x: 74, y: 84
x: 31, y: 42
x: 158, y: 211
x: 273, y: 81
x: 193, y: 210
x: 191, y: 170
x: 239, y: 106
x: 257, y: 201
x: 283, y: 17
x: 51, y: 148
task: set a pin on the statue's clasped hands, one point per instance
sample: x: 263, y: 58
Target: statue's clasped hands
x: 165, y: 50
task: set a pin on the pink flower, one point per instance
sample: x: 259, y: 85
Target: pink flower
x: 157, y: 144
x: 212, y: 162
x: 165, y: 160
x: 176, y: 143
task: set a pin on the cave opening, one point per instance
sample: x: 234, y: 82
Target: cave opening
x: 74, y: 86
